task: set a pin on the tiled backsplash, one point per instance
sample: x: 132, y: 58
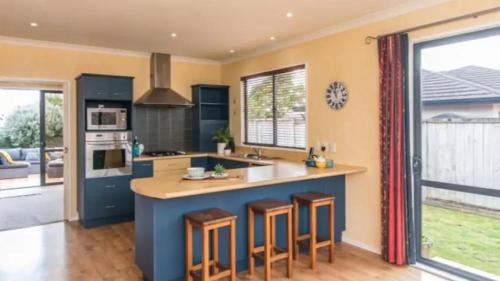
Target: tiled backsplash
x: 162, y: 128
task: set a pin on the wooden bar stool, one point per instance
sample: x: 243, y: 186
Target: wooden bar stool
x: 269, y: 252
x: 314, y: 200
x: 210, y: 220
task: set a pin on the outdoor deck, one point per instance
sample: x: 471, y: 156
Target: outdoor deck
x: 30, y: 181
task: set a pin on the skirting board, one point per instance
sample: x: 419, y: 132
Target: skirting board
x: 74, y: 218
x: 361, y: 245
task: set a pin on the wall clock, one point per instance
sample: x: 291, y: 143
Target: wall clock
x: 336, y: 95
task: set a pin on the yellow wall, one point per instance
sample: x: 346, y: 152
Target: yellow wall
x: 23, y: 61
x: 345, y: 57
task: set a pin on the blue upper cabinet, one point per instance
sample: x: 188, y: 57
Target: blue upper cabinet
x: 210, y: 113
x: 105, y: 87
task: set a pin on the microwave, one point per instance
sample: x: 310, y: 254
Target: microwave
x: 100, y: 118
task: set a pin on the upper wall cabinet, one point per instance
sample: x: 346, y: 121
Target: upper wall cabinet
x: 104, y: 87
x: 210, y: 113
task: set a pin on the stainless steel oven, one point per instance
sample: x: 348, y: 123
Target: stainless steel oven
x: 104, y: 118
x: 108, y: 154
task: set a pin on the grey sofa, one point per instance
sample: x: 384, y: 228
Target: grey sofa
x: 27, y: 161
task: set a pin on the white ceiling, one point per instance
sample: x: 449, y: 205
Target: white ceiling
x: 205, y: 28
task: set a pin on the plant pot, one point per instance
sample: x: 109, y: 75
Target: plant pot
x: 220, y: 148
x: 427, y: 247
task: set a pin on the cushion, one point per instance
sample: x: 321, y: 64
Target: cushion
x: 32, y: 157
x: 56, y: 155
x: 15, y: 153
x: 26, y: 151
x: 6, y: 159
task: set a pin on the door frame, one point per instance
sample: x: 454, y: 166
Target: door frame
x: 43, y: 136
x: 417, y: 150
x: 69, y: 172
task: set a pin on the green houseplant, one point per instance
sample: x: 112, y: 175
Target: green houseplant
x: 223, y: 138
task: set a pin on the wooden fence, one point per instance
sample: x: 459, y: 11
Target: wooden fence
x: 463, y: 152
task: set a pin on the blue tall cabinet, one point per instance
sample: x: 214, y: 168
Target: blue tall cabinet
x: 210, y: 113
x: 108, y: 199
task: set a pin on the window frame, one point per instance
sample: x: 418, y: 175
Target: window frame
x: 273, y: 73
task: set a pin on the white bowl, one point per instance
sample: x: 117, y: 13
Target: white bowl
x: 196, y: 172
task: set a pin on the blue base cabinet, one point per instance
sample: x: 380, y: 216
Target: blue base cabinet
x: 142, y: 169
x: 107, y: 200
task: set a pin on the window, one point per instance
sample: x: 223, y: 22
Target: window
x: 275, y: 108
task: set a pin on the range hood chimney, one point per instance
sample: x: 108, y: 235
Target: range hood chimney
x: 160, y: 93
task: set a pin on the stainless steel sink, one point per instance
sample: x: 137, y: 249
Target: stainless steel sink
x: 259, y: 157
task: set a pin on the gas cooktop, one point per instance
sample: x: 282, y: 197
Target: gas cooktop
x: 164, y: 153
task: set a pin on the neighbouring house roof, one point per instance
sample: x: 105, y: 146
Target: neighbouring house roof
x: 463, y: 85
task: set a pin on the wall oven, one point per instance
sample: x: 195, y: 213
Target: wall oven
x: 103, y: 118
x: 108, y: 154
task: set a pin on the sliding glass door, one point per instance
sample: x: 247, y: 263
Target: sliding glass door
x: 31, y: 138
x: 51, y: 137
x: 457, y: 154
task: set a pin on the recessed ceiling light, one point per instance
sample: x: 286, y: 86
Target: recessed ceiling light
x: 231, y: 51
x: 272, y: 38
x: 173, y: 34
x: 289, y: 14
x: 33, y: 24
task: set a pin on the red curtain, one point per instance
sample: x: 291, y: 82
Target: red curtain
x: 393, y: 51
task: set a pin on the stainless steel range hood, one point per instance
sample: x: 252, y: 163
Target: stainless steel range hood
x: 160, y: 93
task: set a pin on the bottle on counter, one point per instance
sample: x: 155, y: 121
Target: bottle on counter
x: 135, y: 147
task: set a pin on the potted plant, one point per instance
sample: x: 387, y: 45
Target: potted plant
x: 427, y: 244
x: 222, y: 137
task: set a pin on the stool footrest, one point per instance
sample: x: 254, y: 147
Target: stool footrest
x: 222, y: 271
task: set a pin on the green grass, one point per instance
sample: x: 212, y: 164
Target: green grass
x: 468, y: 239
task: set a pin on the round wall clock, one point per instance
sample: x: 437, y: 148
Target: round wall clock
x: 336, y: 95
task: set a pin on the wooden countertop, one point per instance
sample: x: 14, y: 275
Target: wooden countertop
x: 171, y: 185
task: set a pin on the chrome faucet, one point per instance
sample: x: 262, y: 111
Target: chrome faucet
x: 258, y: 151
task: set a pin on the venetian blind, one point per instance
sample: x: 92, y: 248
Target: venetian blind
x: 275, y: 108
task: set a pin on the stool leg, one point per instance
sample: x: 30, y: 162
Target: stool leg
x: 312, y: 231
x: 232, y: 253
x: 332, y: 232
x: 289, y: 243
x: 273, y: 235
x: 205, y: 258
x: 215, y: 249
x: 189, y: 249
x: 267, y: 248
x: 295, y: 247
x: 251, y: 233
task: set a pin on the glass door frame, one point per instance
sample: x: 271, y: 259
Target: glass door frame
x: 43, y: 143
x: 418, y: 182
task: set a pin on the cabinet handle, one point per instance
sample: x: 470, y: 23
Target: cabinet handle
x: 110, y: 186
x: 99, y: 93
x: 110, y: 206
x: 146, y: 165
x: 117, y: 94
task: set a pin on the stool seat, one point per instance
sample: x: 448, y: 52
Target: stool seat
x: 210, y: 216
x: 269, y: 205
x: 313, y: 197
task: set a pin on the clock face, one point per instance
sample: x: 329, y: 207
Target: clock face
x: 336, y: 95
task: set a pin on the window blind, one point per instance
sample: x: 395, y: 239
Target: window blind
x: 275, y: 108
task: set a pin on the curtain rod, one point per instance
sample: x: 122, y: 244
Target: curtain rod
x: 369, y: 39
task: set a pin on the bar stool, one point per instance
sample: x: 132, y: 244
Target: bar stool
x: 210, y: 220
x: 269, y: 252
x: 314, y: 200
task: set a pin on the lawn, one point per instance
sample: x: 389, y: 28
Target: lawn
x: 468, y: 239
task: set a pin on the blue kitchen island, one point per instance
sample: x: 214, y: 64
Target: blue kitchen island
x: 161, y: 202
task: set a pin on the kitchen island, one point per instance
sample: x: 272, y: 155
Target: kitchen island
x: 162, y: 200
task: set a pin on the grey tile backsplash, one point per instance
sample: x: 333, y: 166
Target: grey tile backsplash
x: 162, y: 128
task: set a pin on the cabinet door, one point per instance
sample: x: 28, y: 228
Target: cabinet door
x: 107, y: 197
x: 199, y: 162
x: 162, y: 166
x: 142, y: 169
x: 107, y: 88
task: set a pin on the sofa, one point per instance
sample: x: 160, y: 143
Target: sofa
x: 27, y: 161
x: 30, y: 155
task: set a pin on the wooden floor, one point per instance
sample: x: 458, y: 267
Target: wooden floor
x: 64, y: 251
